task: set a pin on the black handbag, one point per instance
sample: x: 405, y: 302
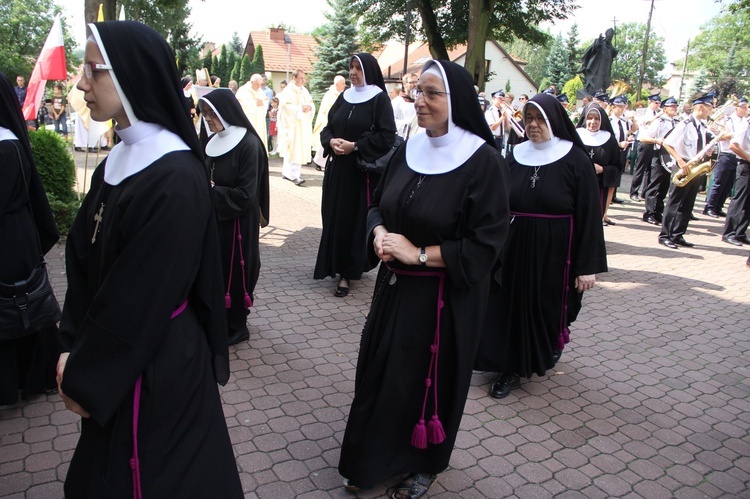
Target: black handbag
x: 29, y: 305
x: 378, y: 165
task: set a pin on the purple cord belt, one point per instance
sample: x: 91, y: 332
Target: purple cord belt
x: 433, y: 432
x: 135, y: 464
x: 564, y: 333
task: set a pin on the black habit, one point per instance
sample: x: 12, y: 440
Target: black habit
x: 27, y: 361
x: 465, y: 211
x: 139, y: 249
x: 347, y: 190
x: 555, y: 218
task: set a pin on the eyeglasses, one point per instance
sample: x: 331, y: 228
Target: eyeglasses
x: 429, y: 95
x: 538, y: 119
x: 90, y: 68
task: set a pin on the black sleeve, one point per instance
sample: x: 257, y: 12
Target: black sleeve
x: 382, y: 134
x: 235, y: 200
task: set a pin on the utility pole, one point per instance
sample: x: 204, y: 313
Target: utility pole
x: 614, y: 40
x: 684, y: 69
x: 645, y: 50
x: 406, y: 39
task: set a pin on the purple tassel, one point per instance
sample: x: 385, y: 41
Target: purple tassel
x: 435, y: 432
x: 227, y: 301
x: 419, y: 436
x: 560, y: 342
x: 248, y: 301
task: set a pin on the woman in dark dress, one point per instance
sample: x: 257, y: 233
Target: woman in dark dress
x: 27, y: 360
x: 438, y: 223
x: 554, y: 249
x: 359, y: 123
x: 238, y: 166
x: 144, y: 328
x: 600, y: 144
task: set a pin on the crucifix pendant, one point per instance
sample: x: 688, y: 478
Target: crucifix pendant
x: 591, y: 153
x: 98, y: 220
x: 533, y: 179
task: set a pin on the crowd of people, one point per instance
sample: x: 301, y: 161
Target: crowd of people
x: 486, y: 226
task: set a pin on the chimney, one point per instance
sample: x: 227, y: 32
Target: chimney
x: 277, y: 34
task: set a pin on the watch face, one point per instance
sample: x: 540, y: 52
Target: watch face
x: 422, y: 258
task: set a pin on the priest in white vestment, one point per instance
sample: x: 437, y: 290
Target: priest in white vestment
x: 296, y: 111
x: 339, y: 83
x: 254, y: 102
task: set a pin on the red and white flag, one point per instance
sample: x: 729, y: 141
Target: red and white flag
x: 51, y: 65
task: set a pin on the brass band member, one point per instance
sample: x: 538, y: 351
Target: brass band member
x: 726, y: 166
x: 657, y: 188
x: 685, y: 141
x: 645, y: 155
x: 735, y: 227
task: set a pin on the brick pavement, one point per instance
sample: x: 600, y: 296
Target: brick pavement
x: 649, y: 400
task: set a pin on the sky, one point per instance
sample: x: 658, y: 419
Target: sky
x: 216, y: 20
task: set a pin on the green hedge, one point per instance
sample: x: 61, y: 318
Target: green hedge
x: 58, y: 172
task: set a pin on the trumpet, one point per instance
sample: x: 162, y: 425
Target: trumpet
x: 655, y: 117
x: 514, y: 115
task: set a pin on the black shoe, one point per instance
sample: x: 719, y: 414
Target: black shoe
x: 680, y: 241
x: 238, y: 335
x: 721, y: 213
x: 669, y: 244
x: 711, y: 213
x: 731, y: 240
x: 503, y: 385
x: 342, y: 291
x: 556, y: 354
x: 693, y: 217
x: 650, y: 219
x: 634, y: 197
x: 743, y: 239
x: 618, y: 201
x: 658, y: 217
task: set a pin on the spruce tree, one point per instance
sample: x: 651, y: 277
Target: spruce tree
x: 214, y: 68
x: 574, y: 55
x: 235, y: 74
x: 207, y: 62
x: 245, y: 68
x: 231, y: 62
x: 699, y: 84
x: 259, y: 65
x: 336, y: 44
x: 235, y: 45
x: 557, y: 63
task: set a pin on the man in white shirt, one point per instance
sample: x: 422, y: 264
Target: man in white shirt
x: 726, y: 166
x: 735, y: 227
x: 497, y: 118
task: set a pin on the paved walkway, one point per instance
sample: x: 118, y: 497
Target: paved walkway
x: 651, y: 398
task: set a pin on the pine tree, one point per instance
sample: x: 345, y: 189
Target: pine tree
x: 337, y: 43
x: 235, y: 45
x: 574, y: 55
x: 259, y: 65
x: 231, y: 62
x: 222, y: 69
x: 214, y: 68
x: 207, y: 62
x: 245, y: 69
x: 507, y: 85
x: 235, y: 74
x: 557, y: 63
x: 699, y: 84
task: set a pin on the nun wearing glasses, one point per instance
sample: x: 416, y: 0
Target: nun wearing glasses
x: 437, y: 225
x: 143, y: 331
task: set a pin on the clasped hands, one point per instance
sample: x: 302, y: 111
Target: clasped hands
x: 390, y: 246
x: 341, y: 147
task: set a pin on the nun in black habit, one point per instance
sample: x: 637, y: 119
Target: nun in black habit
x: 554, y: 249
x: 27, y: 360
x: 437, y: 223
x: 144, y: 328
x: 600, y: 144
x: 360, y: 122
x: 238, y: 166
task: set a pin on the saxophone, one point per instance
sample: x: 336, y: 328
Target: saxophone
x: 698, y: 165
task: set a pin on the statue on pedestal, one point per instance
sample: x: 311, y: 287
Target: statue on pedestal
x: 596, y: 65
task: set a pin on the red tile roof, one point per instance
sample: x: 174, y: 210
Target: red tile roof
x: 301, y: 51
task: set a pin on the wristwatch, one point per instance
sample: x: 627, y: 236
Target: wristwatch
x: 356, y: 148
x: 423, y: 256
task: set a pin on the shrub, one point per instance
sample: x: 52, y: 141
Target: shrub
x: 57, y: 170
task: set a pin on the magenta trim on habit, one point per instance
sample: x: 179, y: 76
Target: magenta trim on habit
x: 564, y: 334
x: 135, y: 463
x: 433, y: 432
x: 237, y: 234
x: 367, y: 187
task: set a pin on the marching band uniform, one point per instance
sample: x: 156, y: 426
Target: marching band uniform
x: 726, y: 166
x: 495, y: 117
x: 642, y: 171
x: 687, y: 139
x: 658, y: 185
x: 735, y: 227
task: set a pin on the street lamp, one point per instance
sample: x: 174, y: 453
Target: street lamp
x: 288, y: 43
